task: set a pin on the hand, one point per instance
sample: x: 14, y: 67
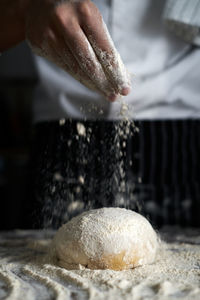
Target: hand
x: 73, y: 35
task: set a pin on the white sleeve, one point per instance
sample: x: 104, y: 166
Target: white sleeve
x: 183, y: 18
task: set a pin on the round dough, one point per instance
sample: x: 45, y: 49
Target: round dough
x: 106, y: 238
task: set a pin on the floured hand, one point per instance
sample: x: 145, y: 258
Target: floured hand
x: 73, y: 35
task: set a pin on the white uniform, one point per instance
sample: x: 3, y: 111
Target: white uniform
x: 164, y: 68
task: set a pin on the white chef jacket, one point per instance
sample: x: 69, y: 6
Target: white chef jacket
x: 165, y: 69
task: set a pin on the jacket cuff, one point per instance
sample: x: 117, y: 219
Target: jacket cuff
x: 183, y: 18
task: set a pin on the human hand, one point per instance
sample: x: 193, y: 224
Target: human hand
x: 72, y: 34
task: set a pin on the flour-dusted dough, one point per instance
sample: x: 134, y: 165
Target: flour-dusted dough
x: 106, y: 238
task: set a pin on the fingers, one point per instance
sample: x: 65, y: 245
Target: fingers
x: 65, y: 59
x: 98, y: 36
x: 72, y: 35
x: 85, y: 56
x: 54, y: 49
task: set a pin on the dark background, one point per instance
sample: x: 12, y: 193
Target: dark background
x: 17, y: 82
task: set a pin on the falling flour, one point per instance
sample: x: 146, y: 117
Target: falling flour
x: 64, y: 189
x: 81, y: 129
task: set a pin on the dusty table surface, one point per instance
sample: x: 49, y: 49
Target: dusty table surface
x: 27, y: 273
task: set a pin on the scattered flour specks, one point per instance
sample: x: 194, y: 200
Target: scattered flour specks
x: 81, y: 129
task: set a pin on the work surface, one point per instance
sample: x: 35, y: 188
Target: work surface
x: 27, y: 273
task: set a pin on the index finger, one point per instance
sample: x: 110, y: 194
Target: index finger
x: 97, y: 33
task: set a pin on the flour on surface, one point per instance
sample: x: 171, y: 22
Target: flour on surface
x: 26, y: 272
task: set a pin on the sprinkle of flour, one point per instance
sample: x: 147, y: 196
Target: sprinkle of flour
x: 64, y: 190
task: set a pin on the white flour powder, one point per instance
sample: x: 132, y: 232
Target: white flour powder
x: 27, y: 273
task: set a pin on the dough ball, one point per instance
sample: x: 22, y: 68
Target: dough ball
x: 106, y: 238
